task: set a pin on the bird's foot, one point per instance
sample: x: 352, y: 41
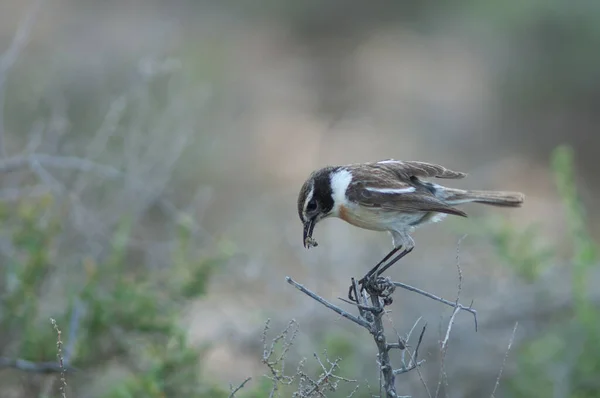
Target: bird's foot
x: 382, y: 287
x: 374, y: 285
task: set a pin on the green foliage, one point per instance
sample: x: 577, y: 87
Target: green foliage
x: 520, y: 249
x: 565, y: 360
x: 169, y: 371
x: 337, y: 345
x: 584, y: 248
x: 23, y: 277
x: 129, y: 315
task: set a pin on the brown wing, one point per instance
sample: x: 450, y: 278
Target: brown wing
x: 391, y: 188
x: 409, y: 168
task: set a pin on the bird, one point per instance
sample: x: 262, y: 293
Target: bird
x: 388, y: 195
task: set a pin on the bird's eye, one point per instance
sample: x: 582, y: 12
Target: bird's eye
x: 311, y: 206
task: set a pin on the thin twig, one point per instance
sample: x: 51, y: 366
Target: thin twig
x: 327, y: 304
x: 65, y: 351
x: 444, y: 343
x: 510, y: 343
x: 412, y: 355
x: 414, y: 361
x: 327, y: 381
x: 453, y: 304
x: 34, y: 367
x: 457, y: 308
x: 370, y: 303
x: 441, y: 300
x: 59, y: 356
x: 60, y: 162
x: 234, y: 391
x: 371, y: 317
x: 287, y: 337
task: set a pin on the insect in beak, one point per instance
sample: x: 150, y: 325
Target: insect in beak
x: 308, y: 231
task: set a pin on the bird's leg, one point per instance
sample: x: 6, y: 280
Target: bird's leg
x: 352, y: 293
x: 403, y: 241
x: 376, y: 272
x: 387, y: 257
x: 371, y: 272
x: 393, y: 261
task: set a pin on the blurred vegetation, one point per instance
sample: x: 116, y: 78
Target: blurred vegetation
x: 522, y: 250
x: 128, y: 335
x: 119, y: 316
x: 129, y: 318
x: 565, y: 359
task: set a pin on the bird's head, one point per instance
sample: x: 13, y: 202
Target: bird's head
x: 317, y: 200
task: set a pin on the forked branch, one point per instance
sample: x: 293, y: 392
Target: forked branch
x: 371, y: 300
x: 370, y: 304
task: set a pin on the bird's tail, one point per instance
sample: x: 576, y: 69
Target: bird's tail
x: 494, y: 198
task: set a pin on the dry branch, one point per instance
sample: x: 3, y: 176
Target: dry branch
x: 453, y: 304
x: 370, y: 317
x: 510, y: 343
x: 307, y: 386
x: 347, y: 315
x: 371, y: 302
x: 238, y: 388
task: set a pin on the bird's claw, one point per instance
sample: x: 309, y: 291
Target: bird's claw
x: 374, y: 285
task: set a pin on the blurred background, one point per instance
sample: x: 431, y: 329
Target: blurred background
x: 151, y: 157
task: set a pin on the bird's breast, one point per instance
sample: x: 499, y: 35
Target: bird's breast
x: 376, y: 219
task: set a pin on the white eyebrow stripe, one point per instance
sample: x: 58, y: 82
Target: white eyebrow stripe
x: 308, y: 197
x: 391, y: 190
x: 389, y: 161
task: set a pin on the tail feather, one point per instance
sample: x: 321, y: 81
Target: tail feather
x: 494, y: 198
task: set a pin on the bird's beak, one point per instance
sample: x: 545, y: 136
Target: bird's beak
x: 308, y: 241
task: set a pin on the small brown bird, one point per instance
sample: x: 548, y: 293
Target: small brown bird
x: 388, y: 195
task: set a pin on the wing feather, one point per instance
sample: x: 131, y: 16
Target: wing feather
x: 391, y: 186
x: 410, y: 168
x: 402, y: 202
